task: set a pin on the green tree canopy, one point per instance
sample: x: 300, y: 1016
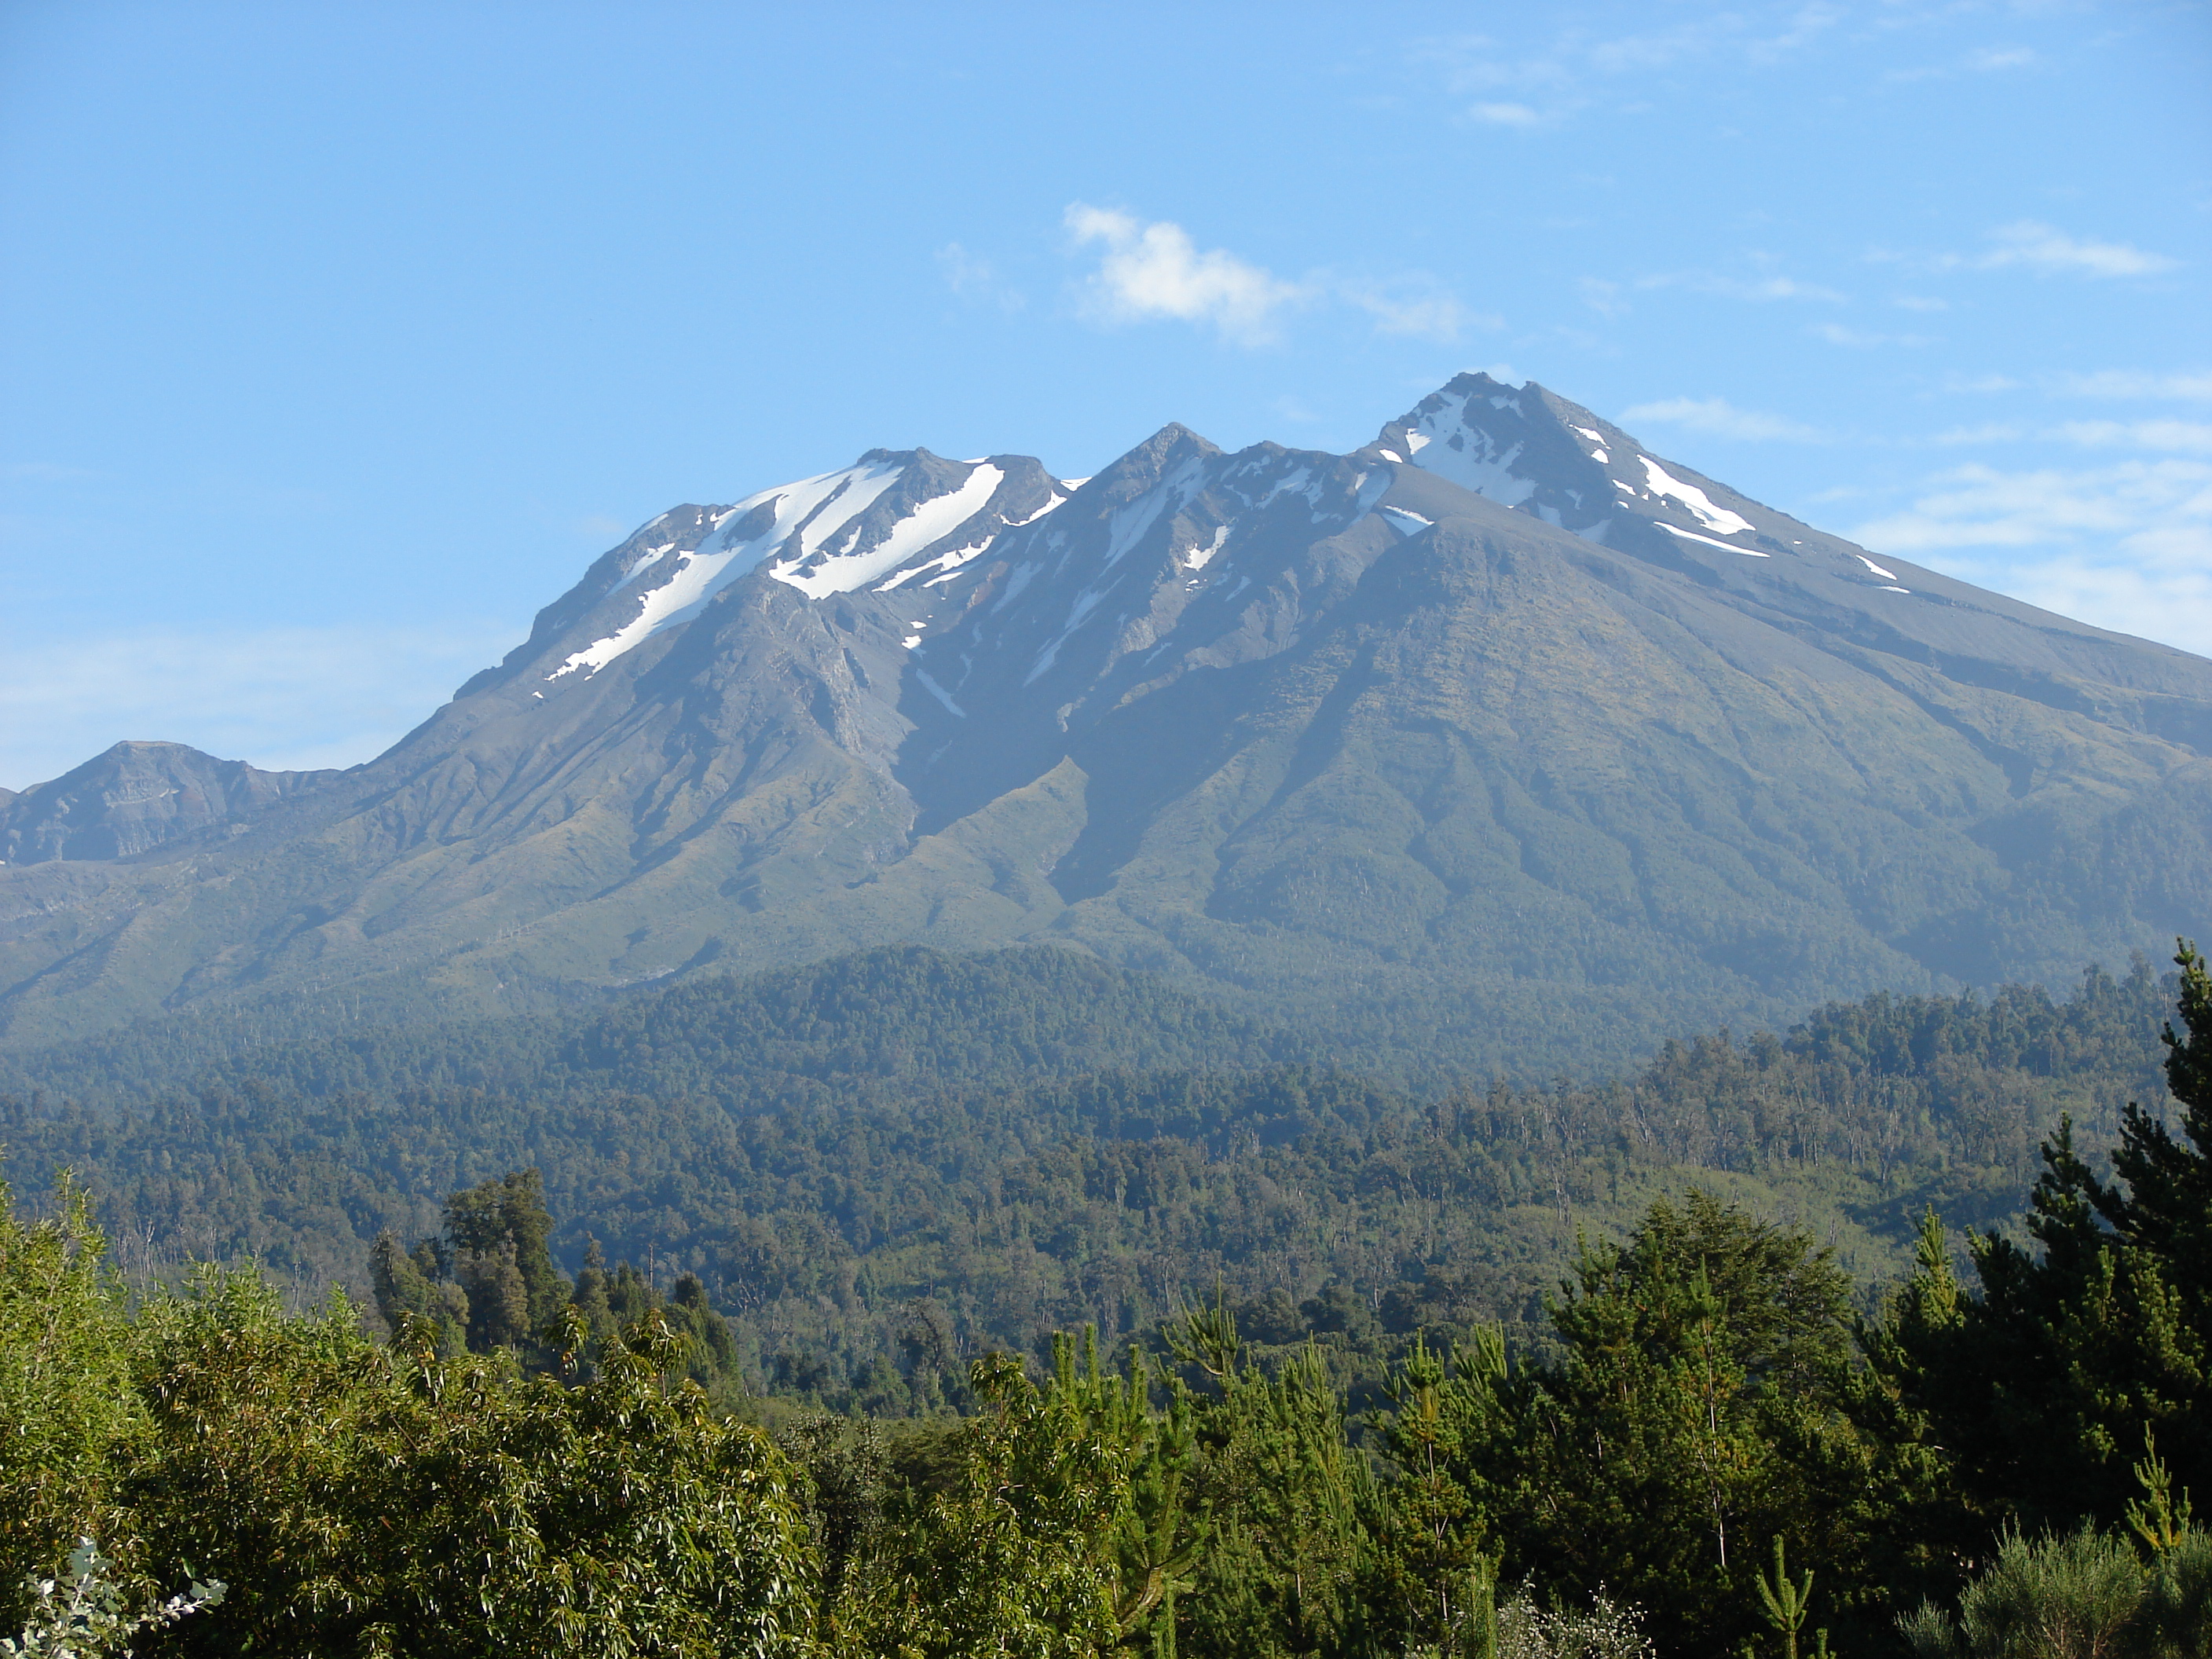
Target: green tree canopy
x: 2041, y: 1386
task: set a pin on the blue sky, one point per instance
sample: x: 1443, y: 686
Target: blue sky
x: 335, y: 341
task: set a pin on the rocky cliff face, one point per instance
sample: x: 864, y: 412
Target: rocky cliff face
x: 1500, y: 733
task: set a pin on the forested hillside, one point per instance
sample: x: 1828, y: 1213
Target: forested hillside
x: 880, y: 1165
x: 1705, y: 1449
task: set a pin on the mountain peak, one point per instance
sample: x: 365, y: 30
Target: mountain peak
x: 1467, y: 719
x: 134, y: 797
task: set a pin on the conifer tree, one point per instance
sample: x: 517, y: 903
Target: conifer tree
x: 2041, y: 1387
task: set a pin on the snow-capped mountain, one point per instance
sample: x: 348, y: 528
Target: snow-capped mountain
x: 1500, y: 723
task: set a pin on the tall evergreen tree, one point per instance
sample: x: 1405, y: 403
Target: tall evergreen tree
x: 1694, y: 1415
x: 2046, y: 1386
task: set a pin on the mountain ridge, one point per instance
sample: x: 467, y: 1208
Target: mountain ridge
x: 1536, y: 738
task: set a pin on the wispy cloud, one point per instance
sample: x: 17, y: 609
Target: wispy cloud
x: 974, y: 277
x: 1414, y: 308
x: 2037, y: 247
x: 1989, y: 432
x: 1506, y: 115
x: 2127, y: 546
x: 1155, y: 270
x: 1986, y: 60
x: 2183, y: 437
x: 282, y: 698
x: 1609, y: 298
x: 1547, y: 84
x: 2193, y: 385
x: 2159, y: 437
x: 1603, y: 297
x: 1723, y: 419
x: 1763, y: 288
x: 2044, y: 248
x: 1861, y: 339
x: 1979, y: 384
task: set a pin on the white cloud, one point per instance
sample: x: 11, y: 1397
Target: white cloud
x: 282, y: 698
x: 2132, y: 383
x: 1723, y: 419
x: 2001, y: 57
x: 1419, y: 312
x: 2041, y: 247
x: 2127, y: 546
x: 1155, y: 271
x: 1506, y: 115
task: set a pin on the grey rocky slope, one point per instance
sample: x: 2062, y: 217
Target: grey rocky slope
x: 1499, y: 737
x: 137, y: 796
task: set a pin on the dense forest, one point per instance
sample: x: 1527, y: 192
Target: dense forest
x: 1710, y: 1454
x: 920, y: 1305
x: 880, y: 1166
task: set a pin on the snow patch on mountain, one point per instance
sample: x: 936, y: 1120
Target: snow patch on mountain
x: 808, y: 511
x: 1443, y: 440
x: 1198, y: 558
x: 934, y: 520
x: 1692, y: 536
x: 1663, y: 482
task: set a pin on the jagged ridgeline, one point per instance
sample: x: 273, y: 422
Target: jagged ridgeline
x: 984, y: 1149
x: 1500, y: 741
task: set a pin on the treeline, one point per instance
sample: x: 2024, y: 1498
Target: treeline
x: 1710, y: 1453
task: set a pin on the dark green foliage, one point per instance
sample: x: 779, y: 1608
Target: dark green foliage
x: 487, y: 1282
x: 1377, y: 1438
x: 873, y: 1192
x: 2041, y: 1386
x: 1284, y: 1492
x: 1695, y: 1414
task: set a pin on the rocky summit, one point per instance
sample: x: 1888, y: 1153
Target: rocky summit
x: 1500, y: 736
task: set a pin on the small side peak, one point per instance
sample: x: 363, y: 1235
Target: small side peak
x: 1174, y: 434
